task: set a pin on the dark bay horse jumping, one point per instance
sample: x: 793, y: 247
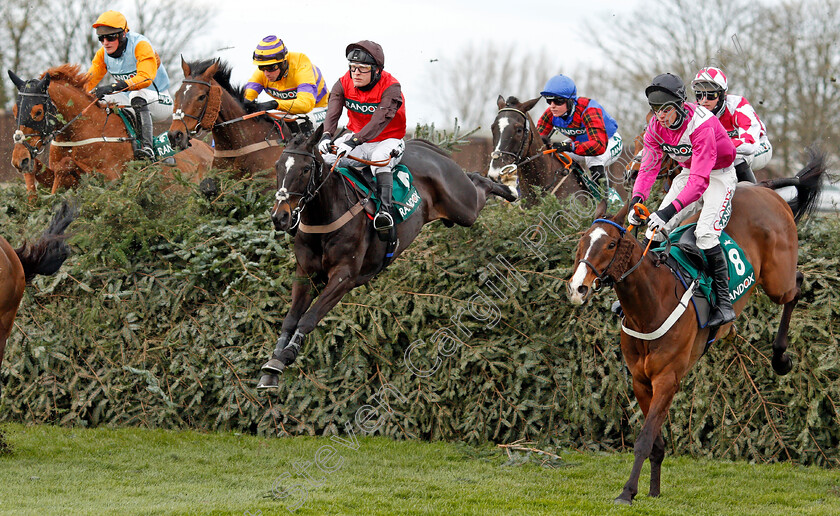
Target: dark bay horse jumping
x: 19, y: 266
x: 763, y: 225
x: 518, y: 154
x: 206, y: 101
x: 346, y: 255
x: 83, y: 137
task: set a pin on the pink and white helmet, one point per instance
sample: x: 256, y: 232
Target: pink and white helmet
x: 712, y: 75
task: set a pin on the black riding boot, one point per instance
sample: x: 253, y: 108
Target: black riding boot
x: 723, y: 312
x: 145, y: 149
x: 596, y: 172
x: 744, y: 172
x: 384, y: 220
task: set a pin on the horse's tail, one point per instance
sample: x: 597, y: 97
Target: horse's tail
x: 47, y: 254
x: 808, y: 183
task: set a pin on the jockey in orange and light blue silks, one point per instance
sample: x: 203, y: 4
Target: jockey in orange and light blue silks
x: 289, y: 77
x: 738, y: 117
x: 594, y: 139
x: 693, y: 136
x: 142, y: 82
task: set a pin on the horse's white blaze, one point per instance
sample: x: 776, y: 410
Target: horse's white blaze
x: 187, y: 88
x: 495, y: 172
x: 582, y: 269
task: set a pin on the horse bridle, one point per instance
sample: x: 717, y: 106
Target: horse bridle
x: 518, y: 155
x: 282, y: 195
x: 45, y: 128
x: 612, y: 272
x: 49, y: 135
x: 180, y: 115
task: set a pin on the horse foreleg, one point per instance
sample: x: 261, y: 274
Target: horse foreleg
x: 664, y: 388
x: 485, y: 187
x: 657, y: 455
x: 781, y: 361
x: 301, y: 300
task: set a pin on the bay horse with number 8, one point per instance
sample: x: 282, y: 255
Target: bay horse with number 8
x: 763, y: 225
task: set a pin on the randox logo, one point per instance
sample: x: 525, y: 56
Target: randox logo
x: 124, y: 76
x: 409, y: 204
x: 677, y: 150
x: 360, y: 107
x: 282, y: 95
x: 568, y: 131
x: 725, y: 212
x: 742, y: 287
x: 733, y: 133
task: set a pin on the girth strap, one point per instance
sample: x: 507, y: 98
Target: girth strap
x: 669, y: 322
x: 254, y: 147
x: 336, y: 224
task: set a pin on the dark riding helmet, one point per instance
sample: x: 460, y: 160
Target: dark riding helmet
x: 367, y: 52
x: 667, y: 89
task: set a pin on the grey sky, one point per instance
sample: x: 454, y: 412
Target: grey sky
x: 412, y: 33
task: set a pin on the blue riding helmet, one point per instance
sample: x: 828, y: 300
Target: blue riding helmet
x: 560, y: 86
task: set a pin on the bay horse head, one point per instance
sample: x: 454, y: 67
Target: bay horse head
x: 604, y: 254
x: 198, y: 101
x: 36, y: 120
x: 514, y: 138
x: 299, y: 176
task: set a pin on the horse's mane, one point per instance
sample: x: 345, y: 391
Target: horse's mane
x: 71, y: 74
x: 512, y: 101
x: 222, y: 76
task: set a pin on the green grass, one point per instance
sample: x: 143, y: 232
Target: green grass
x: 54, y: 470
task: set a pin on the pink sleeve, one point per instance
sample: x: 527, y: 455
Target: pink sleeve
x: 703, y: 158
x: 651, y: 162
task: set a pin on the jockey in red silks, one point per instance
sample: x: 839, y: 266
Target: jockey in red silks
x: 376, y: 127
x: 593, y: 134
x: 693, y: 136
x: 738, y: 117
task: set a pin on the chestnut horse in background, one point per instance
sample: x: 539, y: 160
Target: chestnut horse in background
x: 763, y: 225
x: 83, y: 136
x: 518, y: 151
x: 206, y: 101
x: 19, y: 266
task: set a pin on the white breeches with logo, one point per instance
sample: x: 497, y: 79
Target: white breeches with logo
x: 160, y: 104
x: 761, y: 157
x: 604, y: 159
x: 371, y: 151
x: 714, y: 206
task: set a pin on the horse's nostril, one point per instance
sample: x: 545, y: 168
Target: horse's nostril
x: 582, y: 289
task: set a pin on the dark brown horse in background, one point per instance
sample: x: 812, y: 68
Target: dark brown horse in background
x: 19, y: 266
x: 518, y: 153
x: 83, y: 136
x: 763, y: 225
x: 346, y: 255
x: 206, y: 101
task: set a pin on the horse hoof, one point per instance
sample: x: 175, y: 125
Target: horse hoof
x: 622, y: 501
x: 782, y: 365
x: 268, y: 381
x: 273, y: 366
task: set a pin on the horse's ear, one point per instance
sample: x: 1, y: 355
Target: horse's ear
x: 601, y: 209
x: 185, y: 66
x: 528, y: 104
x: 212, y: 69
x: 45, y: 83
x: 19, y: 83
x: 501, y: 102
x: 315, y: 137
x: 622, y: 213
